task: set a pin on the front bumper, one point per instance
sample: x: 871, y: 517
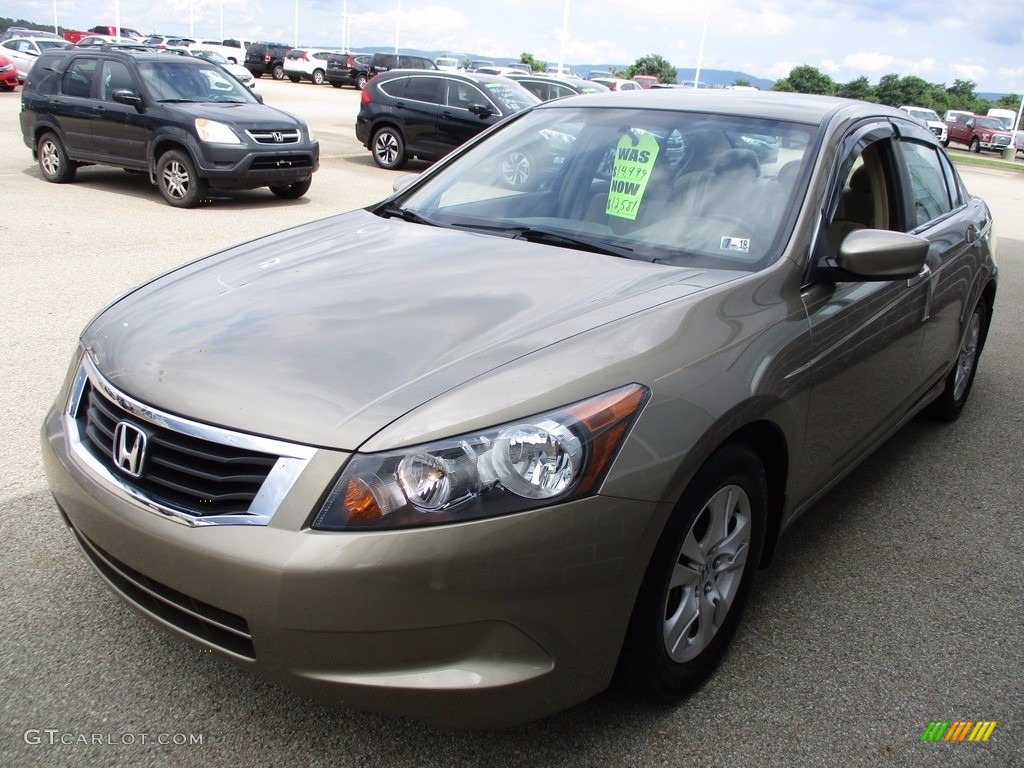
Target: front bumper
x: 479, y: 625
x: 250, y: 167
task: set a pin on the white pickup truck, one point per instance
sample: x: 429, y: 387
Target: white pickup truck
x: 231, y: 49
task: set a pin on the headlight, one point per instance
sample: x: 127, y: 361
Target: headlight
x: 214, y: 132
x: 549, y: 458
x: 309, y: 133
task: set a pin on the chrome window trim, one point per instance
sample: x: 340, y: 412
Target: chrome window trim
x: 292, y: 458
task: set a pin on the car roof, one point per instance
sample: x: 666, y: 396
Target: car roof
x: 790, y: 107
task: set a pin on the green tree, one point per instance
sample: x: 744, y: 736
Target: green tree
x: 806, y: 79
x: 741, y: 82
x: 652, y: 64
x: 536, y: 66
x: 857, y: 89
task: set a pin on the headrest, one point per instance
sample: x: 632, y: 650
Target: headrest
x: 737, y: 160
x: 860, y: 181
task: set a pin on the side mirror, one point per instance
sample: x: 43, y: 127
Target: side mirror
x: 125, y: 96
x: 480, y: 110
x: 877, y: 254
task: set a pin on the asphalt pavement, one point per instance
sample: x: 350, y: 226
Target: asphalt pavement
x: 897, y: 601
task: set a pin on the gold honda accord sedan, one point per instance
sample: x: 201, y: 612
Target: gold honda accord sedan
x: 535, y: 421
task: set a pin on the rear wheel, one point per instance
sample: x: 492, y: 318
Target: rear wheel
x: 179, y: 184
x: 388, y: 149
x: 948, y: 405
x: 697, y: 582
x: 318, y: 77
x: 292, y: 191
x: 53, y: 160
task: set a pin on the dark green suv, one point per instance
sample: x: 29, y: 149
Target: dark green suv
x: 185, y: 121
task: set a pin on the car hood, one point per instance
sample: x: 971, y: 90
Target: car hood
x: 326, y: 333
x: 242, y: 115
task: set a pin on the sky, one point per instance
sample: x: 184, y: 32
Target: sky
x: 938, y: 40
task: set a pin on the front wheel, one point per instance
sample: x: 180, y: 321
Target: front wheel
x: 53, y: 160
x: 292, y: 191
x: 948, y: 405
x: 294, y: 78
x: 975, y: 145
x: 360, y: 81
x: 179, y: 184
x: 698, y: 579
x: 388, y: 149
x: 518, y: 169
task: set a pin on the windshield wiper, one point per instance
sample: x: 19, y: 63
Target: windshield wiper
x: 392, y: 210
x: 180, y: 101
x: 554, y: 237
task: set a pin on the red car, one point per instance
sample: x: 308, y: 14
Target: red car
x: 8, y: 74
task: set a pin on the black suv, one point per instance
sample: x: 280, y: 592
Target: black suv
x: 348, y: 69
x: 184, y: 121
x: 405, y: 114
x: 385, y: 62
x: 266, y: 59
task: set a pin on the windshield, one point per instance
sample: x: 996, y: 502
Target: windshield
x: 925, y: 114
x: 179, y: 80
x: 682, y: 188
x: 991, y: 123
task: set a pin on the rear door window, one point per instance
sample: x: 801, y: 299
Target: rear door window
x: 78, y: 79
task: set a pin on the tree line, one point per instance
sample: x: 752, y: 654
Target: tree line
x: 896, y: 91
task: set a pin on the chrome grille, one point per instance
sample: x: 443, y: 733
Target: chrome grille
x: 194, y: 473
x: 284, y: 136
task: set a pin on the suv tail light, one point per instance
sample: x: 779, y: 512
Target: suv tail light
x: 305, y: 57
x: 266, y: 57
x: 364, y: 96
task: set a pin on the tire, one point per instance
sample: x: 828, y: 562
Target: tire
x: 975, y: 145
x: 7, y: 88
x: 518, y: 170
x: 294, y: 78
x: 335, y: 84
x: 293, y: 191
x: 53, y: 160
x: 698, y: 579
x: 388, y: 149
x: 318, y: 77
x: 945, y: 143
x: 948, y: 405
x: 361, y: 81
x: 277, y: 72
x: 179, y: 184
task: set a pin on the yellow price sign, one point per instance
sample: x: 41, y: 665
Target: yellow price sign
x: 634, y: 159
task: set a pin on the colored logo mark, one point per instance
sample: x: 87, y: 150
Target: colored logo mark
x: 959, y: 730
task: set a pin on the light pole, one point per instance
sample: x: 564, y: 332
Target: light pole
x: 700, y: 52
x: 398, y: 23
x: 565, y: 35
x: 296, y: 23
